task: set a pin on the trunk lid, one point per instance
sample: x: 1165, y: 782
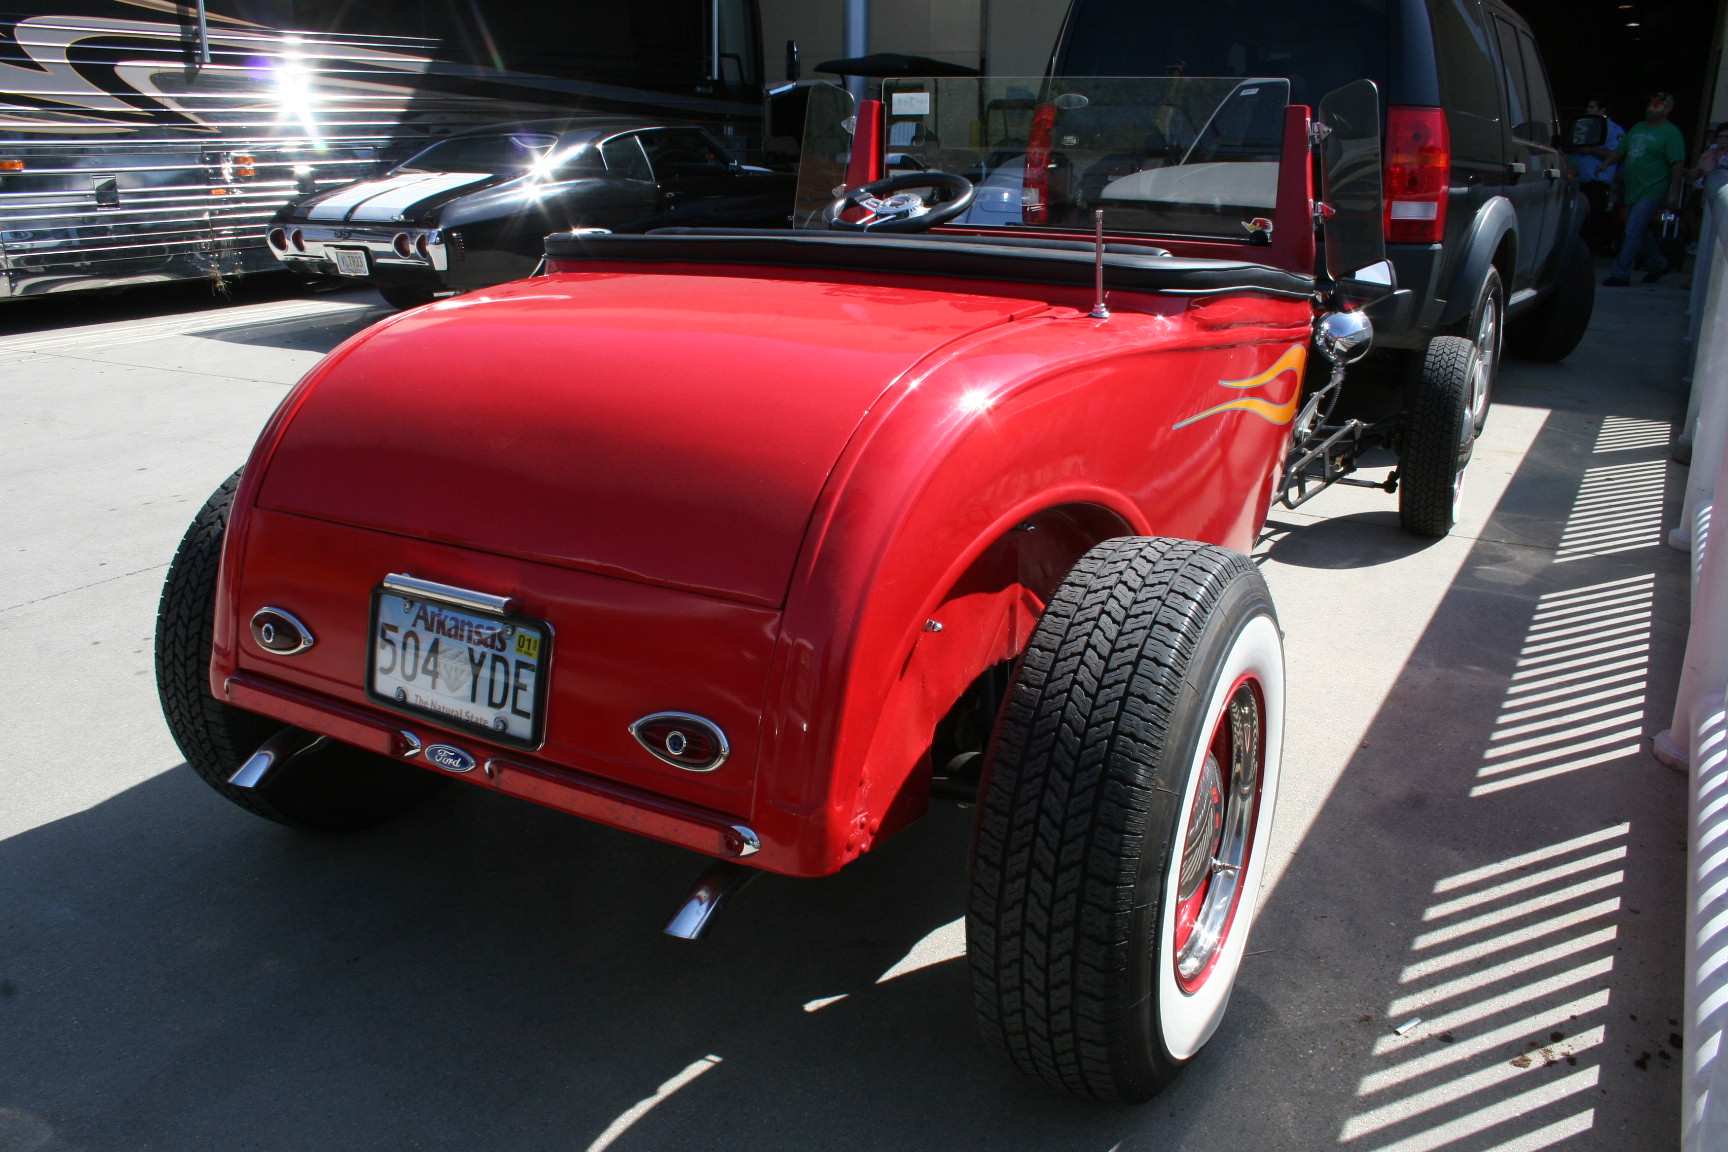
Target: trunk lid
x: 668, y: 429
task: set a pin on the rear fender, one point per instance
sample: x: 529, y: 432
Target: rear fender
x: 1079, y: 430
x: 1494, y: 223
x: 983, y: 618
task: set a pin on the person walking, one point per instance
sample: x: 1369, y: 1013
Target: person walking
x: 1652, y: 156
x: 1595, y: 179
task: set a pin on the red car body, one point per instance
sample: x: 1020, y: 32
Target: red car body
x: 810, y: 506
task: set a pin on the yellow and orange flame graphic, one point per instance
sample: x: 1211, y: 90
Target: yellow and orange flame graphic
x: 1293, y: 361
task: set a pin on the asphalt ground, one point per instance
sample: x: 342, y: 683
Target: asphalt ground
x: 1470, y: 835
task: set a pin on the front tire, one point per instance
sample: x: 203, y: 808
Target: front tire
x: 1125, y: 816
x: 1439, y: 436
x: 337, y: 789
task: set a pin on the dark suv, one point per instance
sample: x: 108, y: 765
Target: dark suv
x: 1482, y: 208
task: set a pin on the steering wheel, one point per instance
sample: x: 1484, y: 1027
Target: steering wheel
x: 892, y: 209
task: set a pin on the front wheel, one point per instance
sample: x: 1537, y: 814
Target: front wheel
x: 1439, y: 436
x: 1125, y: 816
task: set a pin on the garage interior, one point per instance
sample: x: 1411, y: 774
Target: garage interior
x: 1603, y: 47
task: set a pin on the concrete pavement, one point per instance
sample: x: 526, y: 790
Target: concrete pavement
x: 1470, y: 834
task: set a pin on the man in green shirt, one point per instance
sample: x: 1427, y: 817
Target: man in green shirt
x: 1653, y: 158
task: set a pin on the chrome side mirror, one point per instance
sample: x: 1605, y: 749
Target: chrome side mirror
x: 1343, y: 337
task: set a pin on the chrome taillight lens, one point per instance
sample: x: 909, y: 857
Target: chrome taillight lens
x: 1418, y: 174
x: 687, y: 741
x: 278, y: 239
x: 298, y: 239
x: 404, y: 246
x: 423, y: 245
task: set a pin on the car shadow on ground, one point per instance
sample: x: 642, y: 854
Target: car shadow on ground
x: 486, y: 974
x: 317, y: 333
x: 146, y: 301
x: 1360, y: 540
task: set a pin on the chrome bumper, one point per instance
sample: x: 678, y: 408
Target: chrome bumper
x: 297, y: 245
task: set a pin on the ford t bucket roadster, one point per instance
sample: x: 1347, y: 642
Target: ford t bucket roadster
x: 755, y: 542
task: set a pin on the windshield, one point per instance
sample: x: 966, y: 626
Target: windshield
x: 1174, y: 156
x: 516, y: 152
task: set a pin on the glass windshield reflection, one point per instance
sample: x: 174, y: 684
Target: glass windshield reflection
x: 1178, y: 156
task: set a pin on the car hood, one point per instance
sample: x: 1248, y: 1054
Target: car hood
x: 670, y: 429
x: 390, y: 198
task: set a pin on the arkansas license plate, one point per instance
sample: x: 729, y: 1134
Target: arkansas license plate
x: 350, y: 261
x: 466, y: 669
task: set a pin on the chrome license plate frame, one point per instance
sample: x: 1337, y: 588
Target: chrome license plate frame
x: 489, y: 671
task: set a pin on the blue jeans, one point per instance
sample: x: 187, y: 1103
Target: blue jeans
x: 1638, y: 235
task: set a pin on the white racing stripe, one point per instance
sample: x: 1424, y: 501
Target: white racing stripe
x: 337, y: 205
x: 392, y: 203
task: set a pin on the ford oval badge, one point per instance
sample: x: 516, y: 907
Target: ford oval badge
x: 448, y: 758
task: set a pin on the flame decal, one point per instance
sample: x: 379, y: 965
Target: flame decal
x: 1292, y: 361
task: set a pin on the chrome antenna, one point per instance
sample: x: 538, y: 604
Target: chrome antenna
x: 1099, y: 311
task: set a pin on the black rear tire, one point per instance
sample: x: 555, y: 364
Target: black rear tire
x: 1438, y: 437
x: 336, y: 789
x: 1096, y: 816
x: 1551, y: 330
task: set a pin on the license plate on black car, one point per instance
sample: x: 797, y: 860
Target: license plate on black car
x: 350, y: 261
x: 464, y: 668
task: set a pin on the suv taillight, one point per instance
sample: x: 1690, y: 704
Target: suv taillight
x: 1035, y: 194
x: 1418, y: 174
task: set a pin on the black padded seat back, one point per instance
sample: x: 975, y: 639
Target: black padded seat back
x: 1127, y: 267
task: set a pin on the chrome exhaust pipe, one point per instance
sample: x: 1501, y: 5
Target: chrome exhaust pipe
x: 717, y: 884
x: 286, y: 745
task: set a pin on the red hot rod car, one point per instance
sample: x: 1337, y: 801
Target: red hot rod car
x: 753, y: 542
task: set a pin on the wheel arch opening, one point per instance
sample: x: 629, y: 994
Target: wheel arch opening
x: 940, y: 712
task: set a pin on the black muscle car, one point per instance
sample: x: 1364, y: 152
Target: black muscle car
x: 473, y: 210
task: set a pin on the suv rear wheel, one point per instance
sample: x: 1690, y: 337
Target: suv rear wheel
x: 1552, y: 329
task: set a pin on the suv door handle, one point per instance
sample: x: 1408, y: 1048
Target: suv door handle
x: 1516, y: 168
x: 1551, y: 173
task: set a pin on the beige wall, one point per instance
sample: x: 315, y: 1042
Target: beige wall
x: 1021, y: 32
